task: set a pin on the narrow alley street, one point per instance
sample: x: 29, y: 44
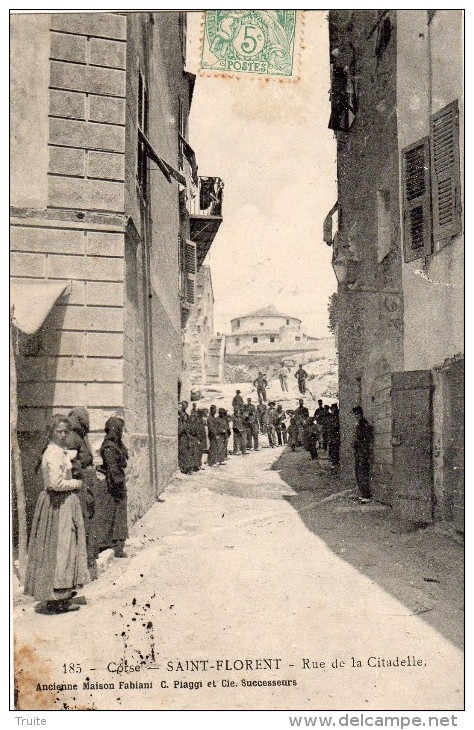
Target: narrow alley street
x: 257, y: 585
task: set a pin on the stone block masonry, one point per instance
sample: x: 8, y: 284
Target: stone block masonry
x: 87, y: 112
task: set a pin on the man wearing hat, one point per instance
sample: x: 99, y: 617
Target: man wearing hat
x: 272, y: 418
x: 237, y: 400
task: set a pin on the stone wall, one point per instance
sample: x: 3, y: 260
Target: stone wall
x: 370, y: 312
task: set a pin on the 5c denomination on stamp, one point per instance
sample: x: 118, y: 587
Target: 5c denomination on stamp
x: 259, y: 42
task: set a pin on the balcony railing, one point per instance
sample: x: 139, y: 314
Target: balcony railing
x: 205, y: 214
x: 208, y: 201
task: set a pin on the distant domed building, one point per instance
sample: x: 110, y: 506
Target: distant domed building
x: 267, y: 331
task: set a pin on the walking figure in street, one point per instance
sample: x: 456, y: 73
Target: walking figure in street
x: 112, y: 529
x: 363, y: 439
x: 283, y: 375
x: 57, y: 555
x: 261, y: 384
x: 301, y: 375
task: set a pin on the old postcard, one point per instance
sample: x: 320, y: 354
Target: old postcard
x: 237, y: 360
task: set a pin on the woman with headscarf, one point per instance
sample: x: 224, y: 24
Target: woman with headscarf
x: 78, y: 441
x: 111, y: 508
x: 57, y: 556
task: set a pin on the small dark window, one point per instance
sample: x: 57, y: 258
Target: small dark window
x: 287, y: 321
x: 261, y: 324
x: 272, y: 339
x: 237, y: 340
x: 255, y: 339
x: 237, y: 324
x: 297, y: 339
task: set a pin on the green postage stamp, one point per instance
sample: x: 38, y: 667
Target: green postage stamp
x: 250, y: 42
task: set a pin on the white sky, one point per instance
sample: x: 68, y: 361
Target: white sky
x: 271, y: 145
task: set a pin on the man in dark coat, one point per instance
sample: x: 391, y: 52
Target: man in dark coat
x: 111, y: 514
x: 240, y: 433
x: 280, y: 425
x: 237, y: 400
x: 223, y: 433
x: 301, y: 415
x: 212, y: 431
x: 363, y: 438
x: 325, y: 421
x: 318, y: 414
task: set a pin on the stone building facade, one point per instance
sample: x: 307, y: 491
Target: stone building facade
x: 100, y: 177
x: 395, y: 108
x: 265, y: 330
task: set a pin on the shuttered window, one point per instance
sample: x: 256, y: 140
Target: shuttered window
x: 190, y: 268
x: 445, y: 173
x: 416, y: 200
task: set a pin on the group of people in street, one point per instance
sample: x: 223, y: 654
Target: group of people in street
x: 210, y: 431
x: 81, y: 510
x: 260, y: 383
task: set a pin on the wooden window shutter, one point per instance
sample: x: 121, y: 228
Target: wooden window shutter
x: 416, y: 200
x: 191, y: 269
x: 445, y: 173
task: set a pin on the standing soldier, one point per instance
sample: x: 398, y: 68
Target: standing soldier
x: 251, y: 424
x: 280, y: 425
x: 212, y: 430
x: 301, y: 375
x: 261, y: 384
x: 262, y: 418
x: 300, y: 415
x: 223, y: 433
x: 240, y: 433
x: 283, y: 375
x: 362, y: 453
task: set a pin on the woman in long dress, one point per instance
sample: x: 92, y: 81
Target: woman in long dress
x: 111, y: 505
x: 57, y: 556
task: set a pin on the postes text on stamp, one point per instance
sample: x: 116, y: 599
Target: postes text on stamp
x: 249, y: 42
